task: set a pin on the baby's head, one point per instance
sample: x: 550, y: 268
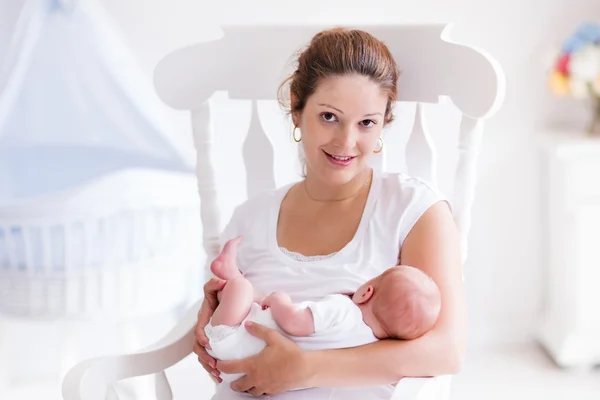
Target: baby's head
x: 401, y: 303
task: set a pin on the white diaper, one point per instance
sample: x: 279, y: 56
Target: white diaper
x: 234, y: 343
x: 219, y: 332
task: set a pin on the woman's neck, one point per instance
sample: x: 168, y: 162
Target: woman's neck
x: 317, y: 190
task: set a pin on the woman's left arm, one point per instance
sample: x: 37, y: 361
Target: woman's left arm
x: 433, y: 246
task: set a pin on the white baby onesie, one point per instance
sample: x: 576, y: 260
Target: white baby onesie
x: 338, y: 324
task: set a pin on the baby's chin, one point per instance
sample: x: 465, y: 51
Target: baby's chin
x: 380, y: 333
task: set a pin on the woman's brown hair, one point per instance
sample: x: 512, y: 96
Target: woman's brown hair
x: 338, y: 52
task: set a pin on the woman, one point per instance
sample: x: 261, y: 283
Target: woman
x: 338, y: 227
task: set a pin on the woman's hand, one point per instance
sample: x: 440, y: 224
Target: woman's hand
x: 209, y: 305
x: 279, y: 367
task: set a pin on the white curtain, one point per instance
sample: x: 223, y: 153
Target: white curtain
x: 73, y: 103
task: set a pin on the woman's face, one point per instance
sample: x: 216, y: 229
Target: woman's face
x: 340, y: 127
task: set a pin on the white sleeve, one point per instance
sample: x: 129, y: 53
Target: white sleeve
x: 405, y: 199
x: 334, y: 312
x: 421, y: 202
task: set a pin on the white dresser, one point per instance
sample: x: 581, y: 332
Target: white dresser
x: 570, y: 207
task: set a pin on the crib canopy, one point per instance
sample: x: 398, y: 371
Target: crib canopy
x: 73, y: 103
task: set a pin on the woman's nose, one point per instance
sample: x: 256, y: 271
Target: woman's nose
x: 345, y: 138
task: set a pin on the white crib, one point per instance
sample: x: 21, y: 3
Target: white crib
x: 122, y: 245
x: 435, y: 71
x: 89, y: 267
x: 99, y: 210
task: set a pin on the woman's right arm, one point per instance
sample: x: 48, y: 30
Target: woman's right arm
x: 209, y: 305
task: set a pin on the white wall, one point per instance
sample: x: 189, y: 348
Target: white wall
x: 505, y: 270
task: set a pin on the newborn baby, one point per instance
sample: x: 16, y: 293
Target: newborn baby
x: 401, y: 303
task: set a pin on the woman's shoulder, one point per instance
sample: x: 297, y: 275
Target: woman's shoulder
x: 399, y: 185
x: 404, y: 199
x: 263, y: 202
x: 256, y: 210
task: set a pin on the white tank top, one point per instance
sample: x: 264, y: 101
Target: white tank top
x: 394, y: 204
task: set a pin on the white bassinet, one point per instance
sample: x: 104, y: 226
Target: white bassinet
x: 122, y: 245
x: 99, y: 212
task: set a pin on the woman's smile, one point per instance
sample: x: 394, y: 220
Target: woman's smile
x: 340, y: 160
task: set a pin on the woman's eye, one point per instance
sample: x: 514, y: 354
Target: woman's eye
x: 329, y: 117
x: 368, y: 123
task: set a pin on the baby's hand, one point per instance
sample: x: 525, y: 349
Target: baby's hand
x: 278, y: 298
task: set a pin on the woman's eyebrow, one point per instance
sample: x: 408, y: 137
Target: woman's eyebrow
x: 330, y: 106
x: 341, y: 112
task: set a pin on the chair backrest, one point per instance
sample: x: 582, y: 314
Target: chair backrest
x: 446, y: 91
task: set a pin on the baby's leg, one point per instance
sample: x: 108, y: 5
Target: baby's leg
x: 235, y: 299
x: 293, y: 320
x: 225, y: 265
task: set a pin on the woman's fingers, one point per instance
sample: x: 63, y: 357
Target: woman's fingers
x: 199, y: 333
x: 204, y: 356
x: 270, y: 336
x: 214, y: 375
x: 243, y: 384
x: 234, y: 366
x: 211, y: 288
x: 209, y: 304
x: 207, y: 362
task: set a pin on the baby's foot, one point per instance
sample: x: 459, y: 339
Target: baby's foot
x: 225, y: 266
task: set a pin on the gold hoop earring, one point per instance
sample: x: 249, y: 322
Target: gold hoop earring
x: 294, y: 135
x: 381, y: 148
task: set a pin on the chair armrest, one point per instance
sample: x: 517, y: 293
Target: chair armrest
x: 90, y: 379
x: 436, y: 388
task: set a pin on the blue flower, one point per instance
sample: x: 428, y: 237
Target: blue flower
x: 587, y: 33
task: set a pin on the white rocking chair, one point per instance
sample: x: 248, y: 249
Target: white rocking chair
x: 248, y: 63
